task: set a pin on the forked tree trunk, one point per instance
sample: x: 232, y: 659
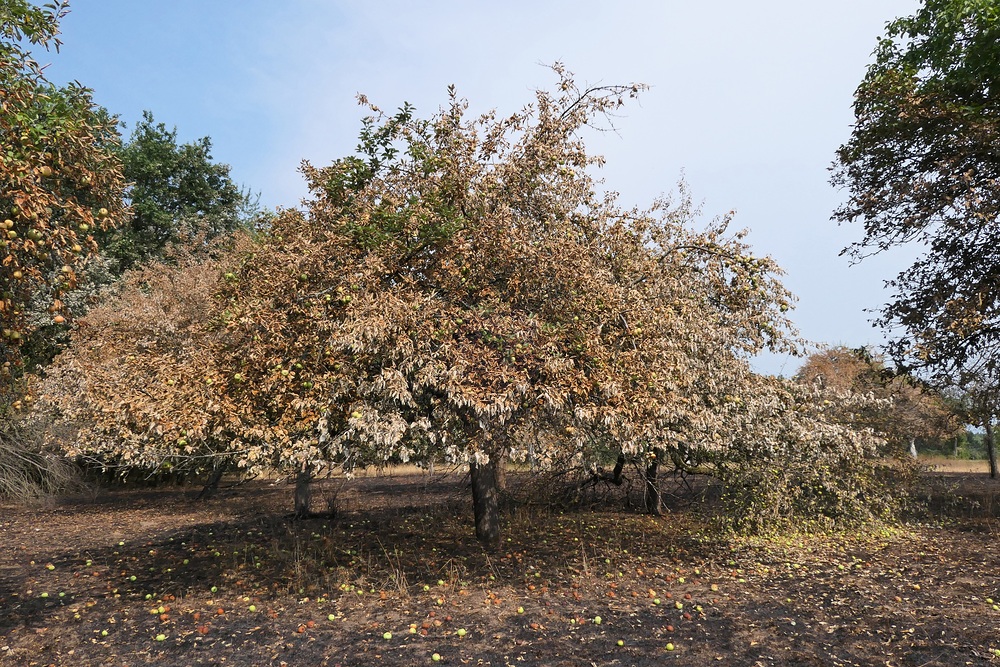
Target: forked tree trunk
x: 990, y: 448
x: 652, y: 495
x: 486, y: 503
x: 303, y: 494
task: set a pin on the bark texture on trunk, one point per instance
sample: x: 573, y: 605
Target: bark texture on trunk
x: 991, y: 450
x: 213, y: 483
x: 501, y: 474
x: 913, y: 448
x: 486, y: 502
x: 617, y: 476
x: 652, y: 495
x: 303, y: 494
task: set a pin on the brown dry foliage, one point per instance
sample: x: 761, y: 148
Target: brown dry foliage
x: 460, y: 288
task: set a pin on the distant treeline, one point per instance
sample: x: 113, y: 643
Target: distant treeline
x: 966, y: 445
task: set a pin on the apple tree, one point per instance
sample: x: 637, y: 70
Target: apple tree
x: 60, y: 177
x: 138, y: 387
x: 976, y: 389
x: 459, y: 287
x: 60, y: 181
x: 461, y: 284
x: 795, y: 459
x: 911, y: 410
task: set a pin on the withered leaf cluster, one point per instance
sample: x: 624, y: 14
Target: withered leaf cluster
x: 461, y: 288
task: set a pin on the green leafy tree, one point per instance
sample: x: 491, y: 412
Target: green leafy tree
x: 977, y: 386
x: 920, y: 168
x: 177, y: 194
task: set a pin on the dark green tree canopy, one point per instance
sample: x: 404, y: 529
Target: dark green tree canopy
x: 176, y: 192
x: 922, y: 168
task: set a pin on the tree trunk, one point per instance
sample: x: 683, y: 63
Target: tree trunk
x: 213, y: 483
x: 303, y: 494
x: 913, y: 448
x: 990, y: 448
x: 486, y: 503
x: 502, y: 474
x: 617, y: 474
x: 652, y: 495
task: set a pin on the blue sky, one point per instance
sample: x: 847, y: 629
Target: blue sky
x: 749, y: 101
